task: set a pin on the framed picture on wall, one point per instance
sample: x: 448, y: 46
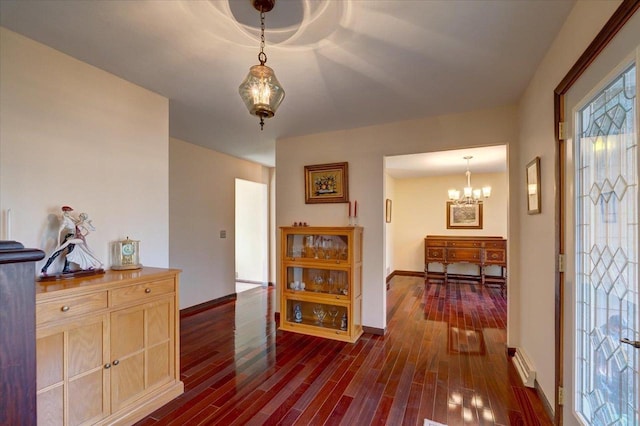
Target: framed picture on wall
x: 326, y: 183
x: 464, y: 216
x: 387, y: 211
x: 533, y: 187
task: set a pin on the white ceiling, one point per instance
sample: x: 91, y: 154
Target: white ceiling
x: 343, y: 63
x: 492, y: 159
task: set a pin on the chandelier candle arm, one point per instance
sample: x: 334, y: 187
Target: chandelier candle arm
x: 469, y: 195
x: 261, y: 91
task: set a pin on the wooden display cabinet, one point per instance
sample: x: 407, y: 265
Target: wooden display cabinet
x: 321, y: 281
x: 107, y: 347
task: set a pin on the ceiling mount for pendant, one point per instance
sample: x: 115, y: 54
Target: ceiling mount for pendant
x: 261, y: 91
x: 263, y: 5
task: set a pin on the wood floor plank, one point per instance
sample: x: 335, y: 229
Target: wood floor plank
x: 443, y: 358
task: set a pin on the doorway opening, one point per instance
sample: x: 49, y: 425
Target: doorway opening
x: 251, y: 235
x: 417, y: 187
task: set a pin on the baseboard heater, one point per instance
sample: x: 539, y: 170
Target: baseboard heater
x: 524, y: 367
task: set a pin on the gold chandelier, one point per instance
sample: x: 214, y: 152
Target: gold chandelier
x: 469, y: 195
x: 261, y: 91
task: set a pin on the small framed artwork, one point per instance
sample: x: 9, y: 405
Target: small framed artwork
x: 533, y: 187
x: 387, y: 211
x: 464, y: 216
x: 326, y: 183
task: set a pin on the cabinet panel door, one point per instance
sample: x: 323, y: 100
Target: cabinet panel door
x: 87, y: 378
x: 158, y: 322
x: 127, y: 355
x: 127, y: 380
x: 141, y: 342
x: 127, y: 333
x: 159, y: 364
x: 50, y: 360
x: 85, y: 398
x: 85, y: 349
x: 51, y: 406
x: 160, y: 330
x: 70, y: 359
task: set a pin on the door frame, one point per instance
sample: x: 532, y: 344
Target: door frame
x: 619, y: 18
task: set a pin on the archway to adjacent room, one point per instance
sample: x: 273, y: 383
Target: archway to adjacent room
x: 416, y: 187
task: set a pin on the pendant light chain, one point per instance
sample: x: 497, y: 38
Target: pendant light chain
x: 262, y: 57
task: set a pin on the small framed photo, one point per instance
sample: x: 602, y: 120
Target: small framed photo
x: 464, y: 216
x: 387, y: 211
x: 326, y: 183
x: 533, y: 187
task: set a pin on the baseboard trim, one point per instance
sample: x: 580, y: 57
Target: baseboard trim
x: 408, y: 273
x: 262, y: 283
x: 196, y: 309
x: 374, y: 330
x: 547, y: 407
x: 403, y: 274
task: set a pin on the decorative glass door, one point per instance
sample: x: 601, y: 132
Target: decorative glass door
x: 606, y: 255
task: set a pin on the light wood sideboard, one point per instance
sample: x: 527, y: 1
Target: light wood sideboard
x: 481, y: 251
x: 107, y: 346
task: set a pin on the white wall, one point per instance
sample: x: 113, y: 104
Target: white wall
x: 420, y: 210
x: 202, y: 203
x: 364, y: 149
x: 534, y: 296
x: 72, y: 134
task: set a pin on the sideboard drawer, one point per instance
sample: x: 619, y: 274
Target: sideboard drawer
x: 496, y: 256
x: 495, y: 244
x: 70, y: 307
x: 464, y: 244
x: 139, y: 292
x: 435, y: 243
x: 435, y: 254
x: 463, y: 255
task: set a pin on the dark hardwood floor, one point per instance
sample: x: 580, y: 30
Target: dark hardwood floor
x: 443, y: 358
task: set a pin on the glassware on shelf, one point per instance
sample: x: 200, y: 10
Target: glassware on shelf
x: 318, y: 281
x: 342, y: 252
x: 308, y: 248
x: 320, y: 313
x: 333, y: 312
x: 331, y: 283
x: 317, y: 245
x: 327, y: 247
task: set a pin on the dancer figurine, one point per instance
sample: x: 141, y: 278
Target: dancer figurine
x: 72, y: 244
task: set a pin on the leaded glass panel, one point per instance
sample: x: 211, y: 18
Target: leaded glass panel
x: 607, y: 255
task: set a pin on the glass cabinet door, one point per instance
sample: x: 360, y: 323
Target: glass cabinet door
x: 318, y: 280
x: 324, y: 315
x: 317, y: 247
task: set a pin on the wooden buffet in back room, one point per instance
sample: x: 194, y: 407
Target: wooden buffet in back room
x: 107, y: 346
x: 481, y: 251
